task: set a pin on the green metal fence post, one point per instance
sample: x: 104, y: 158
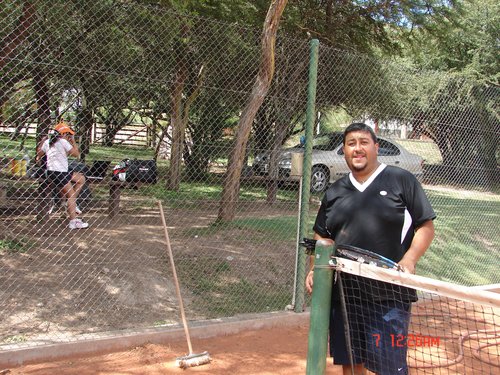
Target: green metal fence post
x: 320, y: 310
x: 306, y: 174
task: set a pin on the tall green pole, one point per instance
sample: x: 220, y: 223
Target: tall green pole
x: 306, y: 173
x: 317, y: 345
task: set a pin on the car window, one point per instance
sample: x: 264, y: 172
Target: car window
x: 335, y: 141
x: 385, y: 148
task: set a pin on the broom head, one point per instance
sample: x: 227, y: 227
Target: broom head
x: 192, y: 360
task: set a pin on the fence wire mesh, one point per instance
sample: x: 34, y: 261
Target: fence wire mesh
x: 147, y: 83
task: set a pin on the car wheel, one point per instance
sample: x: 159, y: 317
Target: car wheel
x: 320, y: 178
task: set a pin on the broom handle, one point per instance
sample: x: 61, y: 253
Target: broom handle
x: 176, y: 280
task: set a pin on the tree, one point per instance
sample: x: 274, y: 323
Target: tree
x: 10, y: 47
x: 231, y: 187
x: 19, y: 34
x: 180, y: 106
x: 200, y: 50
x: 283, y: 105
x: 470, y: 44
x: 372, y: 29
x: 364, y: 26
x: 460, y: 95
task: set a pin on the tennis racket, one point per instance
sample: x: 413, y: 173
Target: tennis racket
x: 365, y: 256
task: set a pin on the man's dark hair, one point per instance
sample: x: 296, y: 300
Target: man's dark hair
x: 359, y: 126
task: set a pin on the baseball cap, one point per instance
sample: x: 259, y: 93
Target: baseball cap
x: 62, y: 128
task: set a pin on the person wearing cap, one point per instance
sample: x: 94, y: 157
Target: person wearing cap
x: 57, y: 147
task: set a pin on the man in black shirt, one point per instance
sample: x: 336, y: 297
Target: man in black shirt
x: 383, y: 209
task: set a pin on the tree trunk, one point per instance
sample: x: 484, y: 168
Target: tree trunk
x: 173, y: 181
x: 22, y: 122
x: 181, y: 111
x: 274, y: 177
x: 230, y: 192
x: 109, y: 136
x: 85, y: 121
x: 163, y: 148
x: 261, y: 129
x: 42, y: 97
x: 176, y: 121
x: 19, y: 34
x: 12, y: 41
x: 290, y: 85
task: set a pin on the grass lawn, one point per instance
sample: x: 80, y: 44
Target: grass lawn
x: 465, y: 249
x: 426, y: 149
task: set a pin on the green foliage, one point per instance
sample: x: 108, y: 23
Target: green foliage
x: 118, y: 62
x: 472, y: 251
x: 13, y: 148
x: 454, y: 210
x: 365, y: 27
x: 14, y: 246
x: 240, y: 11
x: 469, y: 45
x: 440, y: 105
x: 115, y: 154
x: 333, y: 120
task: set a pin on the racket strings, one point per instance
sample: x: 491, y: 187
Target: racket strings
x: 365, y: 256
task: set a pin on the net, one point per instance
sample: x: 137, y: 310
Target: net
x: 397, y: 323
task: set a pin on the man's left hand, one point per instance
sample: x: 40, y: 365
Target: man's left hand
x: 407, y: 266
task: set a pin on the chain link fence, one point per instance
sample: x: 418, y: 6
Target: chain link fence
x: 155, y: 97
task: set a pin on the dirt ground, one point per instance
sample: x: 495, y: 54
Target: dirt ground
x: 66, y: 283
x: 279, y: 350
x: 463, y: 344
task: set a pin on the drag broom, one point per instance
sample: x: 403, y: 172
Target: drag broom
x: 191, y: 359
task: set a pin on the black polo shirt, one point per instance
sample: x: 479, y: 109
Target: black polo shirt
x: 380, y: 215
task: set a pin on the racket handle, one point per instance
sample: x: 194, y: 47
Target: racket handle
x: 309, y: 244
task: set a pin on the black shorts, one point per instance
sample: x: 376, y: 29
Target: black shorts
x: 58, y: 179
x: 378, y: 332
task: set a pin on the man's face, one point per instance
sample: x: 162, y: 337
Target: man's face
x: 360, y: 151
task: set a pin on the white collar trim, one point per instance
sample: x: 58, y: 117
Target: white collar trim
x: 362, y: 187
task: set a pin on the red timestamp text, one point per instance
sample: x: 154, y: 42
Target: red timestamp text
x: 410, y: 340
